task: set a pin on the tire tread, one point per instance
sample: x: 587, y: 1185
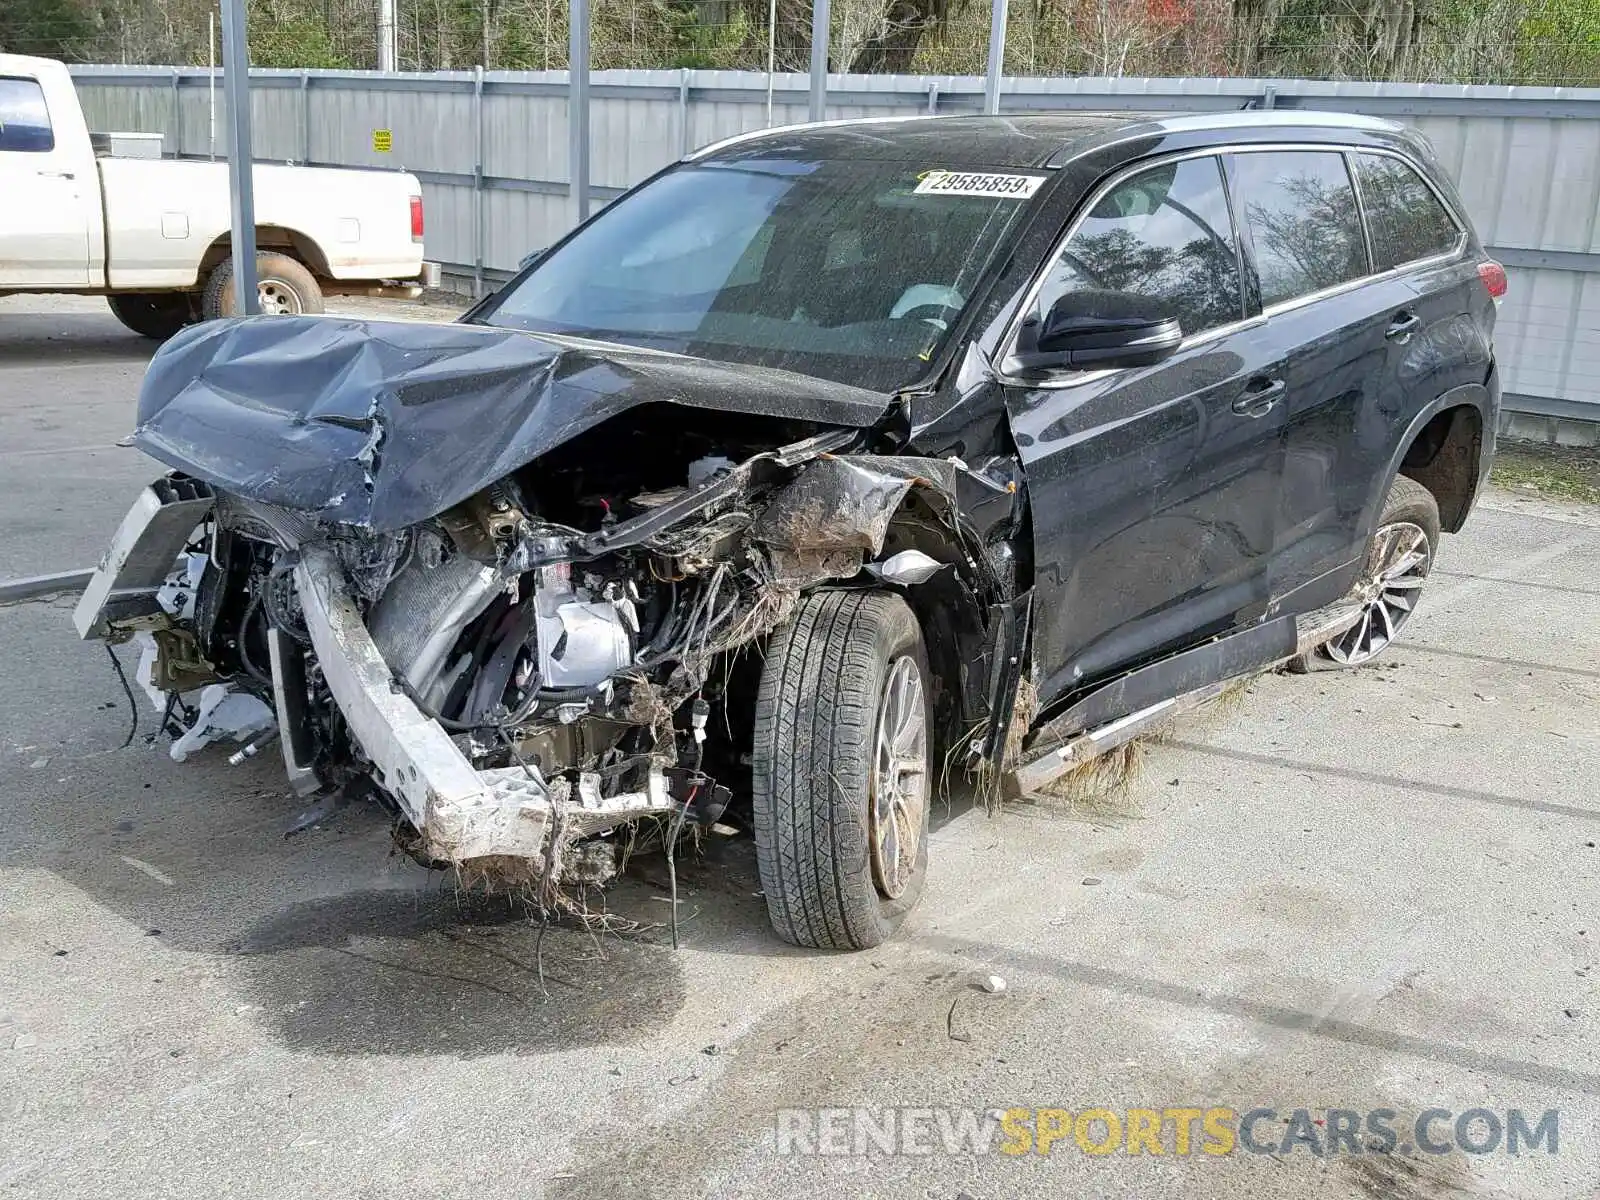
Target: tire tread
x: 815, y: 715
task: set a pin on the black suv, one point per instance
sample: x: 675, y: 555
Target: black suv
x: 999, y: 438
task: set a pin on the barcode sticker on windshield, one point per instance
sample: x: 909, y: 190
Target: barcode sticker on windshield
x: 972, y: 183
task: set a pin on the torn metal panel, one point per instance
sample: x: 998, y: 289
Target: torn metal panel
x: 384, y: 424
x: 846, y: 502
x: 142, y: 551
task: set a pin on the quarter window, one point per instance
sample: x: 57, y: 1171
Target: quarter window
x: 1163, y: 233
x: 1404, y: 216
x: 24, y: 120
x: 1301, y: 212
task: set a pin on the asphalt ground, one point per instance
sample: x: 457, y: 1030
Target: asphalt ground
x: 1348, y: 891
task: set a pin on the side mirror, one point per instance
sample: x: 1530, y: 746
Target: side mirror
x: 1098, y: 329
x: 529, y: 259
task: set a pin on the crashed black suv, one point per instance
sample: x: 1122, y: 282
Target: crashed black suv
x: 826, y: 466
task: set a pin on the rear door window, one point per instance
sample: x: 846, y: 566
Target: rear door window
x: 1300, y: 209
x: 1404, y: 216
x: 24, y: 120
x: 1165, y: 233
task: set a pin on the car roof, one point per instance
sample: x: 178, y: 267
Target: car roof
x: 1019, y: 140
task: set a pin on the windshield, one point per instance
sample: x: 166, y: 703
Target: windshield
x: 847, y: 270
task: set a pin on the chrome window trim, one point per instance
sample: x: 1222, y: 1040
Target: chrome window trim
x: 751, y: 135
x: 1008, y: 340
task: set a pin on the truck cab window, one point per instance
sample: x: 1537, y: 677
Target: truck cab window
x: 24, y: 119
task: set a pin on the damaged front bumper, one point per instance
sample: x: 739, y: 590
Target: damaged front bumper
x: 461, y: 812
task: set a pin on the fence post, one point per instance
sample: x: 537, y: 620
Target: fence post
x: 933, y: 98
x: 305, y: 118
x: 683, y: 112
x: 177, y: 118
x: 997, y: 57
x: 479, y: 196
x: 241, y: 161
x: 578, y: 109
x: 819, y: 60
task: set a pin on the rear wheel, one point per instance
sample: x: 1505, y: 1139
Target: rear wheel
x: 842, y: 770
x: 156, y: 315
x: 1399, y: 558
x: 284, y: 287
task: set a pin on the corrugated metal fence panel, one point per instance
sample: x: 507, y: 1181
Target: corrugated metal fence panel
x: 1527, y: 160
x: 525, y: 137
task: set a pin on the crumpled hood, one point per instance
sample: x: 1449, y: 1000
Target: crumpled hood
x: 386, y: 423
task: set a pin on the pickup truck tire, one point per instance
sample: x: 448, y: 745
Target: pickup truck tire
x: 156, y: 315
x: 286, y: 287
x: 842, y: 770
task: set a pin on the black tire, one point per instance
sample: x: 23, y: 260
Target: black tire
x: 1411, y: 508
x: 276, y: 272
x: 156, y: 315
x: 823, y: 689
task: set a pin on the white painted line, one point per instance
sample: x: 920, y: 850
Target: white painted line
x: 31, y: 587
x: 156, y: 873
x: 62, y: 450
x: 1471, y: 587
x: 1539, y: 509
x: 139, y: 364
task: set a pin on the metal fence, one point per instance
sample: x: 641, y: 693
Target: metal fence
x: 492, y: 152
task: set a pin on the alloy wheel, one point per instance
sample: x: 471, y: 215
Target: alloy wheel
x: 1398, y: 565
x: 898, y: 797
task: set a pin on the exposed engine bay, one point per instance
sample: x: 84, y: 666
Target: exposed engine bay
x: 562, y: 652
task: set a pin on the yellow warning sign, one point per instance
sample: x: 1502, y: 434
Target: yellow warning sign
x: 382, y: 141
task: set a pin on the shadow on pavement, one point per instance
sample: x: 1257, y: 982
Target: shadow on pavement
x: 35, y: 339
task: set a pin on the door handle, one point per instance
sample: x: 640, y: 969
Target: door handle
x: 1259, y: 397
x: 1403, y: 326
x: 57, y: 175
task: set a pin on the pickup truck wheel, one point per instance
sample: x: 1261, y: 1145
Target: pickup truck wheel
x: 842, y: 770
x: 285, y: 287
x: 1398, y: 560
x: 156, y: 315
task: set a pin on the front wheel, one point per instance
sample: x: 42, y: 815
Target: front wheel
x: 283, y: 286
x: 842, y: 770
x: 156, y: 315
x: 1399, y: 558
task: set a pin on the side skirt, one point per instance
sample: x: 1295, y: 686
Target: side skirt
x: 1150, y: 697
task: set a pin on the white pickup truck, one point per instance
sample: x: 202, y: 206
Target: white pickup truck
x: 153, y: 235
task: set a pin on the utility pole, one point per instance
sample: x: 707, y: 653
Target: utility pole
x: 241, y: 183
x: 386, y: 54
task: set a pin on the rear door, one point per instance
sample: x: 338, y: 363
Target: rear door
x: 1303, y: 232
x: 1428, y: 286
x: 45, y: 208
x: 1151, y: 488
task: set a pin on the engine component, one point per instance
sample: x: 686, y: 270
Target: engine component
x: 581, y: 641
x: 907, y: 567
x: 422, y: 615
x: 703, y: 470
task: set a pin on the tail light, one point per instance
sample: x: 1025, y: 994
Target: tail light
x: 1494, y: 278
x: 416, y: 227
